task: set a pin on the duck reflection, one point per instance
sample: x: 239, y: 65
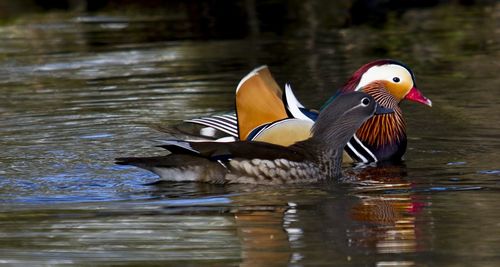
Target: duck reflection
x: 378, y: 209
x: 386, y: 211
x: 264, y: 221
x: 372, y: 212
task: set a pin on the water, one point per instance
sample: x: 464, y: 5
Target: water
x: 79, y: 90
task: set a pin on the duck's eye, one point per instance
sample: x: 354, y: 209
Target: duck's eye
x: 365, y: 102
x: 396, y: 79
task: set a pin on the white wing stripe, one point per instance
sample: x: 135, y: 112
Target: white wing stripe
x: 293, y: 104
x: 219, y: 127
x: 222, y: 123
x: 365, y: 148
x: 225, y: 118
x: 217, y: 122
x: 363, y: 159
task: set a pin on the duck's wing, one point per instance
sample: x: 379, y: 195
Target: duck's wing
x: 258, y: 101
x: 284, y: 132
x: 221, y: 128
x: 209, y: 161
x: 216, y: 151
x: 260, y: 104
x: 224, y: 127
x: 212, y: 127
x: 296, y: 109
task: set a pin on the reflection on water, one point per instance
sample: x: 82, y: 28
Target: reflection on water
x: 79, y: 90
x: 392, y: 214
x: 256, y: 227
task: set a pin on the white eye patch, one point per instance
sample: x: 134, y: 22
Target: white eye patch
x: 390, y: 72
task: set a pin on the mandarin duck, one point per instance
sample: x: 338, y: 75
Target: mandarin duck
x: 319, y: 157
x: 267, y: 114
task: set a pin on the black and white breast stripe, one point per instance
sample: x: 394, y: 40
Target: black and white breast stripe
x: 359, y: 152
x: 226, y: 123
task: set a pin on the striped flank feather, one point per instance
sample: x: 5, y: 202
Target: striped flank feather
x: 226, y: 123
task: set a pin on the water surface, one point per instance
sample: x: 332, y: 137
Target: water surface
x: 79, y: 90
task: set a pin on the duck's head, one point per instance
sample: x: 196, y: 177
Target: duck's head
x: 399, y: 80
x: 339, y: 120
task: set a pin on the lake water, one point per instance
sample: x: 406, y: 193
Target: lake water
x: 79, y: 90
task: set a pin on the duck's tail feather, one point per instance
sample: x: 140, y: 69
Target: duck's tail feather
x: 179, y: 168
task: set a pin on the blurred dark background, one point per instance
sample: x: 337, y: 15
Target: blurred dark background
x: 239, y: 18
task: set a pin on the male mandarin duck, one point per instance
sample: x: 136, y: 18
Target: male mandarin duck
x: 265, y: 113
x: 319, y: 157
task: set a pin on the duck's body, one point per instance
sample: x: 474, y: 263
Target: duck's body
x: 266, y: 114
x: 316, y: 158
x: 265, y: 164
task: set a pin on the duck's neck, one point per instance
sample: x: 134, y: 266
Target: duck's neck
x: 325, y: 148
x: 383, y: 130
x: 326, y: 158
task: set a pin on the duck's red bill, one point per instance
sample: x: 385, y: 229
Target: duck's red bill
x: 416, y: 96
